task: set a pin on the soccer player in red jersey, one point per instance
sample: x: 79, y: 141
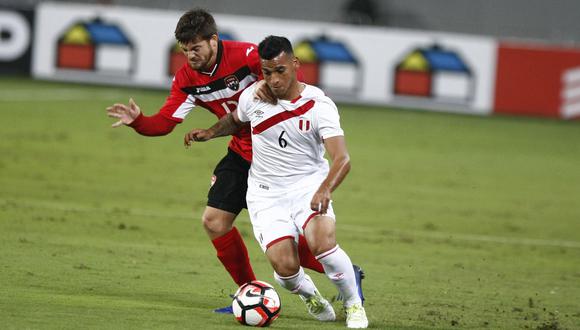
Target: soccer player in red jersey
x: 214, y: 76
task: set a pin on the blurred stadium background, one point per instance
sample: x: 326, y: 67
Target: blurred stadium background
x: 550, y: 21
x: 461, y: 117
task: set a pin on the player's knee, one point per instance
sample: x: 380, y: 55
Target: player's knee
x: 286, y: 266
x: 320, y: 235
x: 214, y: 225
x: 319, y: 247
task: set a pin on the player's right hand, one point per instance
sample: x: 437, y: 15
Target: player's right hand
x: 125, y: 114
x: 196, y: 134
x: 321, y: 200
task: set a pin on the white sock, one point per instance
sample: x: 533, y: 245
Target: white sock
x: 299, y: 283
x: 338, y: 268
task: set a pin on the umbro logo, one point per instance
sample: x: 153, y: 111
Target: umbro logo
x: 259, y: 114
x: 338, y: 276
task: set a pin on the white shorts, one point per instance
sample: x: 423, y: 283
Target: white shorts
x: 281, y: 215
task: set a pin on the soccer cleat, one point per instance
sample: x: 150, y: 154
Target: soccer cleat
x: 319, y: 307
x: 224, y: 310
x: 359, y: 275
x: 356, y: 317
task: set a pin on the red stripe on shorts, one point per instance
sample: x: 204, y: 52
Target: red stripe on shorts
x: 309, y: 218
x: 278, y: 240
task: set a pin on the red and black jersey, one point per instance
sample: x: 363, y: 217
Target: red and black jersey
x: 237, y: 67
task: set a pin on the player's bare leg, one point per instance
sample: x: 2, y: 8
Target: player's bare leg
x: 320, y: 233
x: 283, y: 256
x: 217, y: 222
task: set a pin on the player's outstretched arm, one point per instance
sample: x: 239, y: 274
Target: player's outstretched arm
x: 125, y: 114
x: 227, y: 125
x: 338, y: 153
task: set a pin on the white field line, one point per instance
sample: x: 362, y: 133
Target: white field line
x: 50, y: 205
x: 59, y: 94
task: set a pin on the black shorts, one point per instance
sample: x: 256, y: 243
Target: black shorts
x: 229, y: 184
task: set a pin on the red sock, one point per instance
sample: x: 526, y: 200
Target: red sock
x: 307, y: 259
x: 232, y: 252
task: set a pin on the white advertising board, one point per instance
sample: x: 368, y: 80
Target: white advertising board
x: 424, y: 70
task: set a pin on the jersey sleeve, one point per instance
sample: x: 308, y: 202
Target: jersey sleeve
x: 328, y: 120
x: 253, y: 60
x: 178, y: 104
x: 155, y: 125
x: 244, y: 103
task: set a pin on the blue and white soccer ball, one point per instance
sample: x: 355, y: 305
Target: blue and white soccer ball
x: 256, y: 304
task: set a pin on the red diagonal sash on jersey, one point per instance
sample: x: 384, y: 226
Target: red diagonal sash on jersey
x: 285, y: 115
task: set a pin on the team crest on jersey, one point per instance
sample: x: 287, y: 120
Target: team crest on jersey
x: 304, y: 125
x: 232, y: 82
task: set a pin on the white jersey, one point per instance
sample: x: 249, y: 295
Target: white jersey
x: 287, y: 138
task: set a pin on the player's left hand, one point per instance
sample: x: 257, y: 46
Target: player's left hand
x: 264, y: 93
x: 125, y: 114
x: 321, y: 200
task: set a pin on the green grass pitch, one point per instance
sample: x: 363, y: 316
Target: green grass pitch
x: 459, y: 221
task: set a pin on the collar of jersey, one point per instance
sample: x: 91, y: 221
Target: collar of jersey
x: 294, y: 100
x: 297, y: 103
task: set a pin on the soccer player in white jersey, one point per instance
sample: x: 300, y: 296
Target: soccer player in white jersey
x: 290, y: 182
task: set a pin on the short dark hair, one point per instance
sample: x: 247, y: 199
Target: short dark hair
x: 194, y: 24
x: 272, y: 46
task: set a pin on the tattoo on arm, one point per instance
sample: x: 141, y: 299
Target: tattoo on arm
x: 225, y: 126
